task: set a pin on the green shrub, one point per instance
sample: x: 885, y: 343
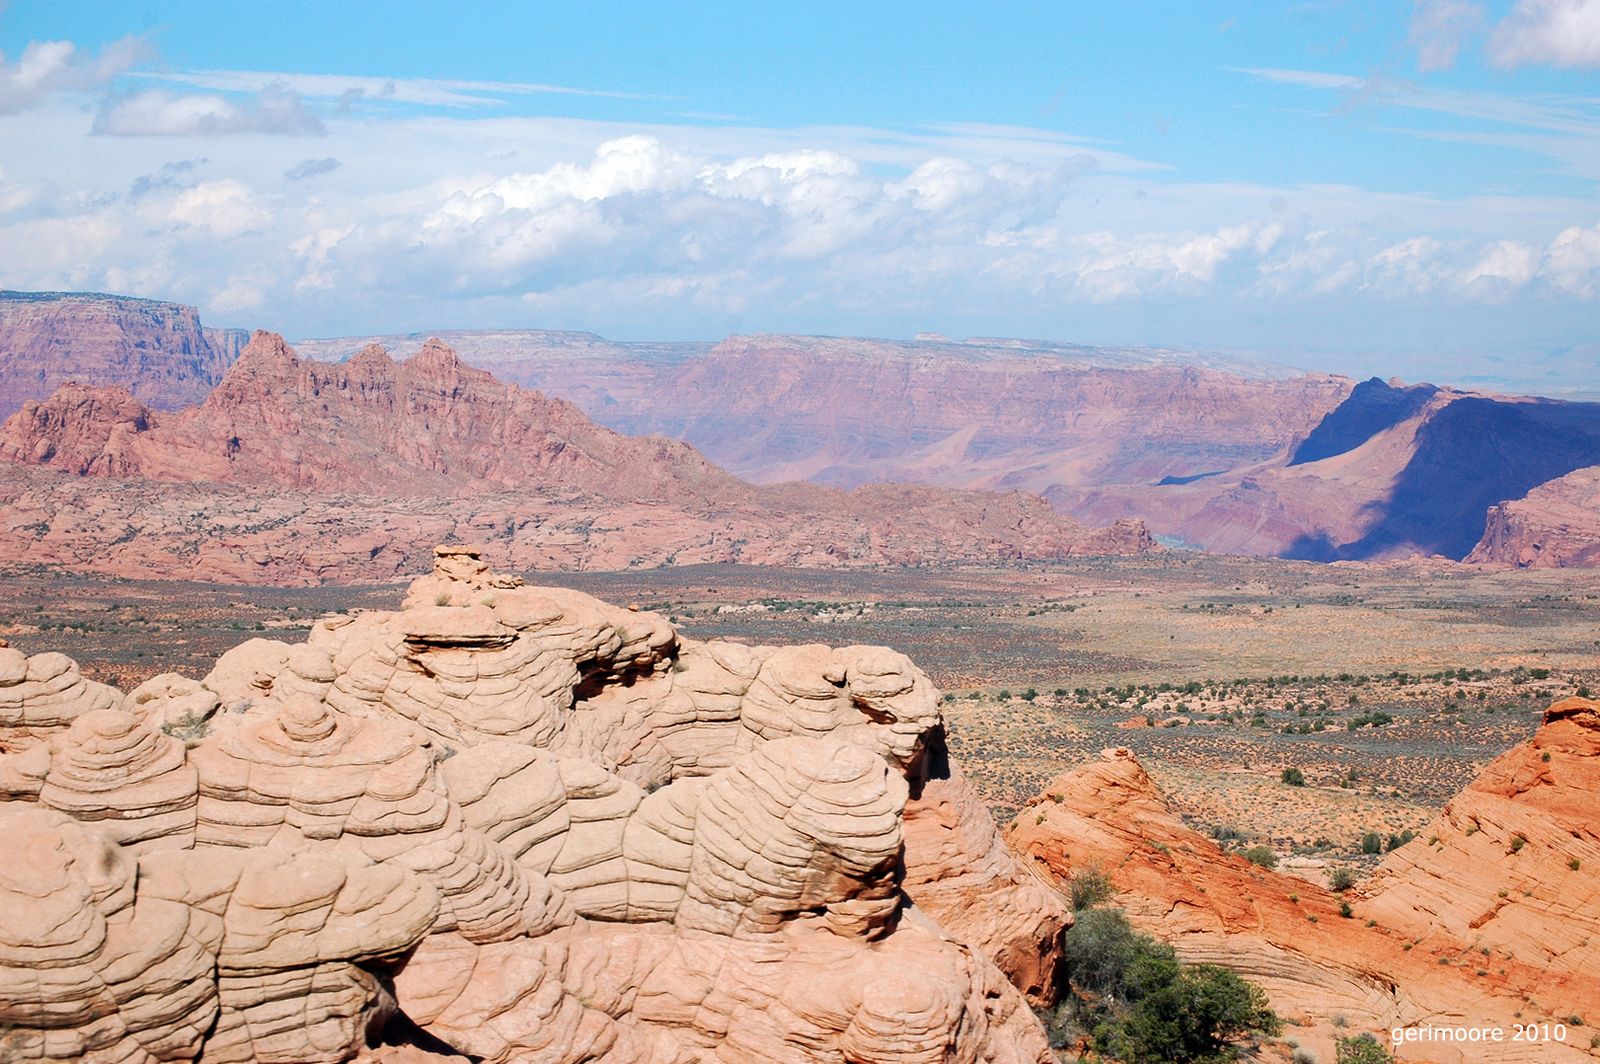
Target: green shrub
x: 1143, y: 1007
x: 1194, y: 1017
x: 1294, y: 777
x: 1089, y: 887
x: 1342, y: 878
x: 1261, y: 855
x: 1100, y: 949
x: 1372, y: 842
x: 1362, y: 1049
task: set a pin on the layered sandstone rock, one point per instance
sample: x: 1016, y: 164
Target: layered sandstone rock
x: 960, y: 867
x: 1320, y: 968
x: 1510, y: 863
x: 158, y: 351
x: 303, y: 472
x: 534, y: 826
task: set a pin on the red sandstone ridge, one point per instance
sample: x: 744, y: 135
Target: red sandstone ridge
x: 1316, y: 965
x: 1555, y: 525
x: 295, y: 471
x: 1217, y: 454
x: 970, y: 414
x: 158, y: 351
x: 1511, y: 864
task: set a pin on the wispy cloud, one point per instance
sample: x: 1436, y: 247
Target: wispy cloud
x: 432, y: 92
x: 1565, y: 114
x: 308, y: 168
x: 1440, y: 27
x: 1568, y: 126
x: 177, y: 174
x: 275, y: 109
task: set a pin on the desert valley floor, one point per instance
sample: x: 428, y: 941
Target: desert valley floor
x: 1389, y: 687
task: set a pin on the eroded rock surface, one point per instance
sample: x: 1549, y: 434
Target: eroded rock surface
x: 1511, y: 862
x: 511, y: 823
x: 1414, y: 949
x: 1556, y: 525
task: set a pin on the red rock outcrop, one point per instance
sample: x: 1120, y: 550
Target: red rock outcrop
x: 1216, y: 454
x: 1405, y: 968
x: 1510, y: 863
x: 80, y: 430
x: 1556, y: 525
x: 158, y: 351
x: 535, y: 826
x: 296, y: 472
x: 972, y: 414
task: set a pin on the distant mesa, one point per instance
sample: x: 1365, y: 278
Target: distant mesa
x: 158, y: 351
x: 1556, y: 525
x: 298, y: 472
x: 1371, y: 407
x: 1216, y: 454
x: 1225, y: 456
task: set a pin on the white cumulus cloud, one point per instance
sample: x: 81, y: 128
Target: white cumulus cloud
x: 47, y: 67
x: 222, y: 208
x: 1572, y: 262
x: 1563, y: 33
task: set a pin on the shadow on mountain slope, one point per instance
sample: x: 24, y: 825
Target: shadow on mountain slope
x: 1470, y: 455
x: 1371, y: 407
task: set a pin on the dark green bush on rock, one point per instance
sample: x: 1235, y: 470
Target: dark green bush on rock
x: 1136, y: 1003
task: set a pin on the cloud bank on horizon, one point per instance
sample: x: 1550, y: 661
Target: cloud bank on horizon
x: 1327, y: 185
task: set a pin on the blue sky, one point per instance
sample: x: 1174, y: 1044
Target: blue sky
x: 1389, y: 188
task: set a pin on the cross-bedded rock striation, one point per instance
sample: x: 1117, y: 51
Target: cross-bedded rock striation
x: 512, y: 823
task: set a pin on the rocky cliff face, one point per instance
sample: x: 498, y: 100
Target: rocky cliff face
x: 978, y: 413
x: 1555, y: 525
x: 1215, y: 454
x: 601, y: 377
x: 295, y: 471
x: 508, y: 823
x: 1007, y: 415
x: 1428, y: 957
x: 158, y: 351
x: 1366, y: 486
